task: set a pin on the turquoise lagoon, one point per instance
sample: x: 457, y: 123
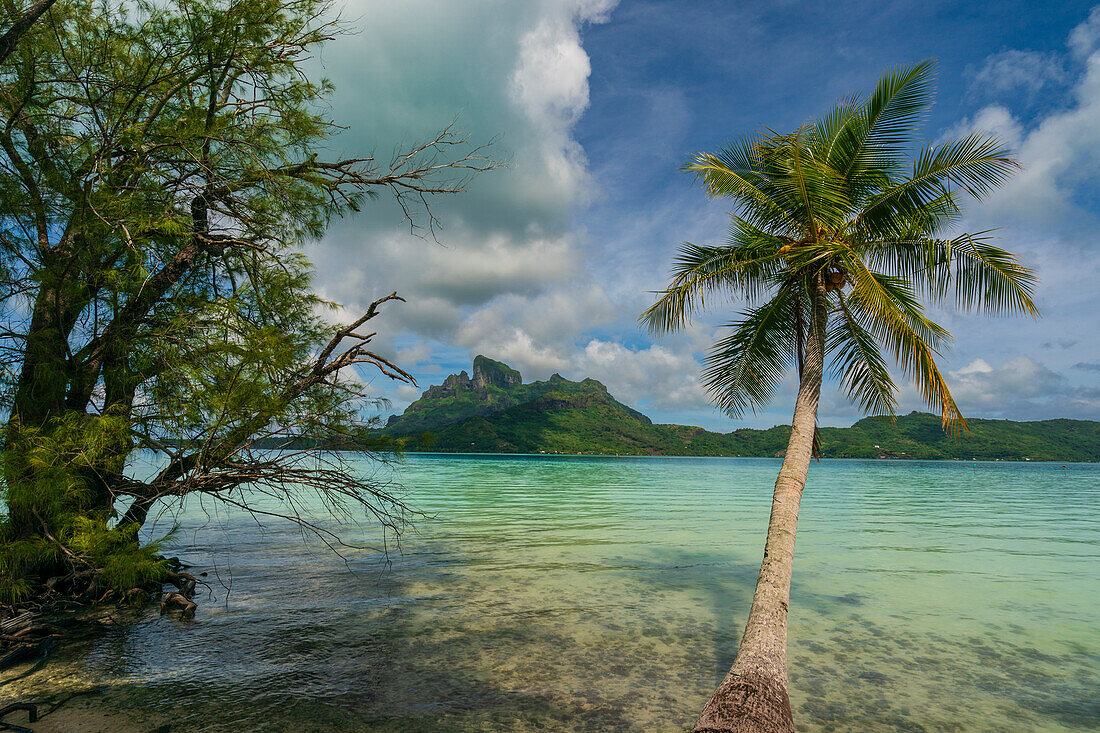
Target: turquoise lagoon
x: 608, y: 594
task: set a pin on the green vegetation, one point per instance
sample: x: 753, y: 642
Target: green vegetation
x: 161, y: 164
x: 560, y: 416
x: 494, y: 387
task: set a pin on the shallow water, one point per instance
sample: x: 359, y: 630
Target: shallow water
x: 608, y: 594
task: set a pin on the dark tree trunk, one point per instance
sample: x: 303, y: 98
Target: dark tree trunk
x: 44, y: 377
x: 40, y: 400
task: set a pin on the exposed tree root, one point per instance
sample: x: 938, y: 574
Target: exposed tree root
x: 66, y: 601
x: 186, y: 584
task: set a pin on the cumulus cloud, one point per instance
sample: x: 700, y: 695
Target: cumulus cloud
x: 413, y: 356
x: 1057, y: 155
x: 979, y: 385
x: 994, y: 119
x: 656, y: 375
x: 536, y: 334
x: 1014, y: 70
x: 1020, y: 388
x: 549, y: 85
x: 516, y: 73
x: 407, y: 393
x: 1085, y: 38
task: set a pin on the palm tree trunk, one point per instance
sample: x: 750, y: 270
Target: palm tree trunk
x: 753, y: 696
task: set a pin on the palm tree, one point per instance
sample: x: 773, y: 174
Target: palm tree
x: 836, y: 245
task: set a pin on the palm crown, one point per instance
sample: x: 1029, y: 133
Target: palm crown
x: 838, y: 219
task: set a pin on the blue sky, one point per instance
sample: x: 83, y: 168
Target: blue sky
x: 547, y: 263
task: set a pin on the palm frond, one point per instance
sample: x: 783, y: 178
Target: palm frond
x: 742, y: 370
x: 867, y: 139
x: 736, y: 172
x: 984, y: 277
x: 813, y: 193
x: 990, y: 278
x: 892, y: 300
x: 892, y: 314
x: 744, y: 268
x: 894, y: 110
x: 832, y: 129
x: 906, y: 217
x: 975, y: 164
x: 858, y: 364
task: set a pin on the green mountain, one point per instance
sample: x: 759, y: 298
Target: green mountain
x: 494, y: 387
x: 494, y: 412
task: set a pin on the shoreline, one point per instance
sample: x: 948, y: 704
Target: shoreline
x: 770, y: 458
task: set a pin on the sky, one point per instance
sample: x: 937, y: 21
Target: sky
x: 593, y: 105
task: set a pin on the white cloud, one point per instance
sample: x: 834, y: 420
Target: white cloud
x: 550, y: 82
x: 536, y: 334
x: 1020, y: 388
x: 994, y: 119
x: 517, y: 348
x: 658, y: 376
x: 553, y: 319
x: 407, y: 393
x: 410, y: 357
x: 470, y: 270
x: 1058, y: 155
x: 1085, y: 38
x: 980, y: 386
x: 508, y: 253
x: 1013, y: 70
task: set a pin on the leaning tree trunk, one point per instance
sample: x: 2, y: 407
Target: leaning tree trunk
x: 753, y: 696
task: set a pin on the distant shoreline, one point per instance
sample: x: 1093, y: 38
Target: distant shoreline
x: 486, y: 454
x: 493, y: 411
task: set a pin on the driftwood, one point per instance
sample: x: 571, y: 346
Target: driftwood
x: 32, y: 716
x: 8, y: 626
x: 173, y: 600
x: 186, y: 583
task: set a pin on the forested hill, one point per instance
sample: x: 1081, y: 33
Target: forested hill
x: 492, y: 411
x: 493, y: 388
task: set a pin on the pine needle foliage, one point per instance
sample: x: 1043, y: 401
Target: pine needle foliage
x: 162, y: 165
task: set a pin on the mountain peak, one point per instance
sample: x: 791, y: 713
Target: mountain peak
x: 489, y: 372
x: 494, y: 387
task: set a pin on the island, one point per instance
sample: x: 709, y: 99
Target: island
x: 493, y: 411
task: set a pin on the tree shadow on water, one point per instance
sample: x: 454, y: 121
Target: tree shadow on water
x: 388, y: 656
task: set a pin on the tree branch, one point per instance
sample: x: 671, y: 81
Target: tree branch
x: 11, y: 37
